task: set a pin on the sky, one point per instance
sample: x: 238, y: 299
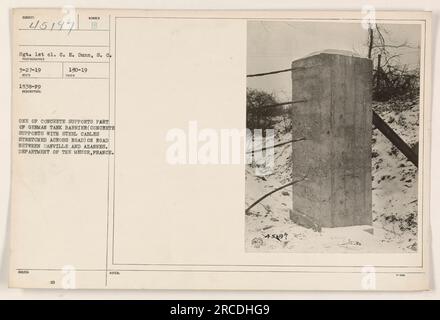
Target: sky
x: 273, y: 45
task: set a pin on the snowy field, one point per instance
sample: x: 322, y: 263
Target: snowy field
x: 394, y: 186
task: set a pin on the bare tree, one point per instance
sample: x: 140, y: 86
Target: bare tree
x: 390, y: 77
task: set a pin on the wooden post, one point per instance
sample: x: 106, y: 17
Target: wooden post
x: 378, y: 73
x: 336, y: 122
x: 410, y: 153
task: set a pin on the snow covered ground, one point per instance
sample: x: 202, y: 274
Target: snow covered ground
x: 394, y: 185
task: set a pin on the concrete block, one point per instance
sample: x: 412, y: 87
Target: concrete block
x: 336, y: 121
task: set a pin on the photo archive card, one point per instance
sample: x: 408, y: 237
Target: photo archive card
x: 220, y: 150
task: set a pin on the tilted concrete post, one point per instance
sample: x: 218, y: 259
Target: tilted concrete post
x: 336, y: 121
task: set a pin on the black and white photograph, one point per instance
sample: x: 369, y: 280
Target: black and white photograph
x: 333, y: 111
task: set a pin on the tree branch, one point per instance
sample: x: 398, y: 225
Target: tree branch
x: 272, y: 192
